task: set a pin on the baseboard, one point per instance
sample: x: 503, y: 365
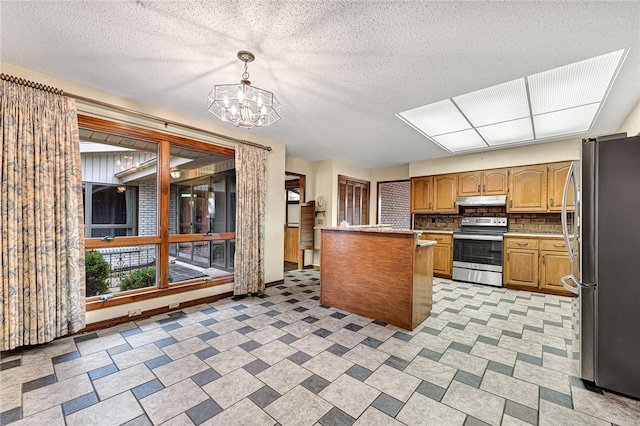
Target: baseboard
x: 274, y: 283
x: 150, y: 313
x: 316, y: 267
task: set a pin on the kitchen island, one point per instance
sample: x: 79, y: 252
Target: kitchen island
x: 377, y: 272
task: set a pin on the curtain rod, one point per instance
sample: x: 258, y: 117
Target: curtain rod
x: 29, y: 83
x: 167, y: 122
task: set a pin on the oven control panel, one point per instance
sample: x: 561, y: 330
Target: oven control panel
x: 483, y: 221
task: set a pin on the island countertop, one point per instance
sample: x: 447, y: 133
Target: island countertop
x: 370, y: 228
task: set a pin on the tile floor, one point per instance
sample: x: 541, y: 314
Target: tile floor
x: 485, y: 356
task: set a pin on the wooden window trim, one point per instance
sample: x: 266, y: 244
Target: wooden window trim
x: 162, y: 241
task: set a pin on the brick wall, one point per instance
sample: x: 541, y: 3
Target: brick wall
x: 147, y: 208
x: 517, y: 222
x: 395, y: 202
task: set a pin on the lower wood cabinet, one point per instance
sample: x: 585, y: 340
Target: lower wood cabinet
x: 536, y: 263
x: 442, y: 254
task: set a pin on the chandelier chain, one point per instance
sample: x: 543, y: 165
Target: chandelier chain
x: 245, y: 74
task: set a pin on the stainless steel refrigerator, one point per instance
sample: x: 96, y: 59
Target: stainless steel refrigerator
x: 602, y: 235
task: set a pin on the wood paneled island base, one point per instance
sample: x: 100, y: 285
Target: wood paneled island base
x: 378, y: 273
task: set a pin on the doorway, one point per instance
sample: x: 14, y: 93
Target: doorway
x: 294, y: 188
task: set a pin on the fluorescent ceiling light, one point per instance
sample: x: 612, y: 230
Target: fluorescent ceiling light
x: 466, y: 140
x: 437, y: 118
x: 504, y: 102
x: 510, y: 132
x: 567, y: 121
x: 580, y: 83
x: 560, y: 102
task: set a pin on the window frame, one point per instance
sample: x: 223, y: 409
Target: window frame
x: 162, y: 239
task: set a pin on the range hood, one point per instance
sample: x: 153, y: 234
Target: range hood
x: 492, y: 200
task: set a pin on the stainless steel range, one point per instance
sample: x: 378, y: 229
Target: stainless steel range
x: 477, y: 250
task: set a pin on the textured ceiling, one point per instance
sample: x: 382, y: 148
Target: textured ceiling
x: 341, y: 69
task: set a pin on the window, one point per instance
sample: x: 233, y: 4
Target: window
x: 353, y: 201
x: 394, y: 201
x: 159, y: 212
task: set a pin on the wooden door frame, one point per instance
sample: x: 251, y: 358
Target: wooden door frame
x: 303, y: 199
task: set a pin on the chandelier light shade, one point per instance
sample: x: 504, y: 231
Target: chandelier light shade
x: 242, y: 104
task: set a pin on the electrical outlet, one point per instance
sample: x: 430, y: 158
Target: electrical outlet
x: 135, y: 312
x: 174, y: 305
x: 320, y: 221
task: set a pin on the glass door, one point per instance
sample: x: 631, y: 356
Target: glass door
x: 223, y: 220
x: 195, y: 216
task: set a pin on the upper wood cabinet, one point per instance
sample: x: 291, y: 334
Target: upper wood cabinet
x: 495, y: 182
x: 557, y: 177
x: 528, y: 189
x: 484, y: 182
x: 445, y: 192
x: 422, y: 194
x: 469, y: 184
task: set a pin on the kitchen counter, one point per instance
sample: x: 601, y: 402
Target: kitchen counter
x: 435, y: 231
x: 380, y: 273
x: 372, y: 228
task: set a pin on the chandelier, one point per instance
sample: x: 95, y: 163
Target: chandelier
x: 242, y: 104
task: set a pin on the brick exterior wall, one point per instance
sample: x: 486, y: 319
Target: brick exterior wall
x: 537, y: 223
x: 395, y: 201
x: 147, y: 208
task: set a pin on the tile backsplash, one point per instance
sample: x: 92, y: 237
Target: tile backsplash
x: 517, y: 222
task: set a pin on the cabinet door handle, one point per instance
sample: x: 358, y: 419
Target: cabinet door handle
x: 523, y: 244
x: 429, y: 205
x: 484, y: 188
x: 510, y: 203
x: 543, y: 260
x: 508, y: 256
x: 551, y: 201
x: 438, y: 239
x: 478, y: 188
x: 558, y: 245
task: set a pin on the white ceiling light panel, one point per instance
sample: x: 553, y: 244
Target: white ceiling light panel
x: 505, y: 133
x: 576, y: 84
x: 565, y: 122
x: 466, y: 140
x: 437, y: 118
x: 495, y: 104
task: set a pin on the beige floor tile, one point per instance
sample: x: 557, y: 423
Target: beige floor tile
x: 189, y: 331
x: 180, y: 369
x: 553, y: 415
x: 233, y: 387
x: 393, y: 382
x: 494, y: 353
x: 431, y: 342
x: 51, y: 417
x: 543, y: 339
x: 10, y: 397
x: 312, y: 344
x: 55, y: 394
x: 25, y: 373
x: 357, y: 320
x: 226, y: 326
x: 458, y: 336
x: 123, y: 380
x: 507, y: 420
x: 431, y: 371
x: 607, y: 406
x: 346, y: 338
x: 373, y: 417
x: 559, y: 363
x: 298, y: 407
x: 328, y: 365
x: 300, y: 328
x: 543, y: 377
x: 350, y: 395
x: 135, y: 356
x: 330, y: 323
x: 228, y: 361
x: 81, y: 365
x: 284, y: 376
x: 265, y: 335
x: 463, y: 361
x: 100, y: 344
x: 477, y: 403
x: 120, y: 409
x: 400, y: 348
x: 522, y: 392
x: 244, y: 412
x: 185, y: 347
x: 483, y: 330
x: 44, y: 353
x: 519, y: 345
x: 273, y: 352
x: 228, y: 341
x: 420, y: 411
x: 169, y: 402
x: 179, y: 420
x: 366, y: 356
x: 260, y: 321
x: 147, y: 337
x: 377, y: 332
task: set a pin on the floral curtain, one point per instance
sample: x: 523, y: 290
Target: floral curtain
x: 42, y: 251
x: 251, y: 188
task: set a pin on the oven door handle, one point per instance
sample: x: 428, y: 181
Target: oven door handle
x: 477, y: 237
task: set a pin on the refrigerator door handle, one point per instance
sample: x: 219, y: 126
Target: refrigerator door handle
x: 565, y: 201
x: 572, y: 288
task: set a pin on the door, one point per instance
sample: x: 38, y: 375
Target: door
x: 422, y: 194
x: 442, y: 259
x: 469, y: 184
x: 495, y: 182
x: 528, y: 189
x: 195, y: 217
x: 553, y: 266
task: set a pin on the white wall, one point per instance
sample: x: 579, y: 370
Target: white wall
x: 631, y: 124
x: 517, y: 156
x: 275, y: 205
